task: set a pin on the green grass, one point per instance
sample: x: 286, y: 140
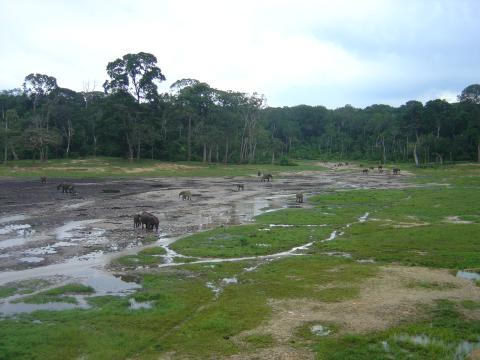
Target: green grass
x: 247, y: 240
x: 22, y: 287
x: 115, y: 167
x: 58, y: 294
x: 189, y: 321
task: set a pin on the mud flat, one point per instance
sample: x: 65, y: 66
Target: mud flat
x: 44, y: 233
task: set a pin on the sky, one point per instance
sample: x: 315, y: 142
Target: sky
x: 330, y: 53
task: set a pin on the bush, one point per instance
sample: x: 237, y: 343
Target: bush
x: 285, y: 161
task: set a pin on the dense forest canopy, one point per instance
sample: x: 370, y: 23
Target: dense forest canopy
x: 194, y: 121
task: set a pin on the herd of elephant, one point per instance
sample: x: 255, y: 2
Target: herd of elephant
x: 67, y: 188
x: 395, y: 171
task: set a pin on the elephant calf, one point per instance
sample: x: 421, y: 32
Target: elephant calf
x: 185, y: 195
x: 137, y: 221
x: 43, y: 179
x: 396, y: 171
x: 299, y: 198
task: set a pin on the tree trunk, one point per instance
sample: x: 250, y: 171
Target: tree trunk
x: 189, y: 139
x: 94, y: 146
x: 478, y: 152
x: 217, y: 154
x: 209, y: 154
x: 204, y: 153
x: 225, y: 159
x: 5, y: 155
x: 139, y: 145
x: 14, y: 153
x: 415, y: 156
x: 273, y: 157
x: 130, y: 149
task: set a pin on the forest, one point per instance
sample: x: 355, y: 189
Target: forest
x: 127, y: 117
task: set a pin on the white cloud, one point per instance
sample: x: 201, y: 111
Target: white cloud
x: 369, y: 51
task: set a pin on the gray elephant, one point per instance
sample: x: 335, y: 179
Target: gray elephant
x: 149, y: 220
x: 299, y: 198
x: 137, y: 221
x: 66, y: 188
x: 267, y: 177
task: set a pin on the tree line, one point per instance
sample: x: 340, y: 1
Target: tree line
x: 129, y: 118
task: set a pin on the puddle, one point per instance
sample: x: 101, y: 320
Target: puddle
x: 338, y: 254
x: 456, y: 220
x: 20, y: 229
x: 462, y: 349
x: 228, y: 281
x: 363, y: 218
x: 320, y: 330
x: 216, y: 290
x: 332, y: 236
x: 469, y: 275
x: 137, y: 305
x: 365, y: 261
x: 465, y: 348
x: 23, y: 235
x: 65, y: 232
x: 10, y: 309
x: 13, y: 218
x: 31, y: 259
x: 107, y: 284
x: 247, y: 210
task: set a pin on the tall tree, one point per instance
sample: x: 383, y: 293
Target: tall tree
x: 470, y: 94
x: 37, y: 86
x: 136, y: 74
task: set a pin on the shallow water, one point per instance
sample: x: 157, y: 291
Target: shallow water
x: 137, y: 305
x: 469, y: 275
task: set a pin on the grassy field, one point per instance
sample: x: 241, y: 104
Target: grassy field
x: 213, y: 310
x: 114, y: 167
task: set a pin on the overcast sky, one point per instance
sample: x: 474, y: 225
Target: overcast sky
x: 327, y: 53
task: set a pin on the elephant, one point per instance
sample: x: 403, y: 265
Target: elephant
x: 299, y: 198
x: 43, y: 179
x: 240, y: 187
x: 137, y: 220
x: 365, y: 171
x: 267, y: 177
x: 185, y: 195
x: 149, y: 220
x: 66, y: 188
x: 396, y: 171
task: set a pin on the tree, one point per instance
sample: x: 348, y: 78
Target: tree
x: 470, y: 94
x: 135, y: 74
x: 37, y: 86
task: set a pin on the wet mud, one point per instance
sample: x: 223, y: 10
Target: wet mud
x: 46, y: 233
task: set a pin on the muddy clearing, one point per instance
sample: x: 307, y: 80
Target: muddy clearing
x: 49, y: 235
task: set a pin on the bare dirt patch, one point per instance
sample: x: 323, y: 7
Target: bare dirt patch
x: 384, y: 301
